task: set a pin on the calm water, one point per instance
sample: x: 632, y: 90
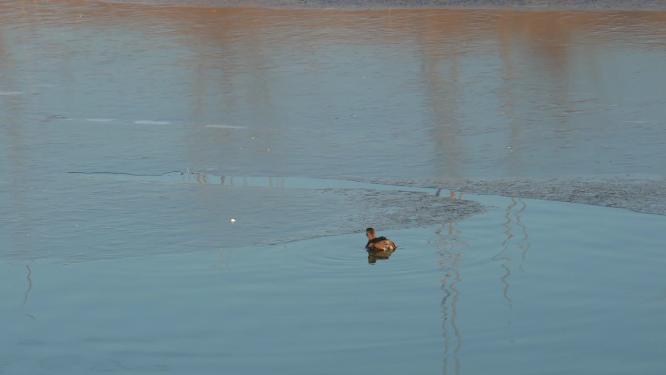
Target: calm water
x: 517, y: 290
x: 143, y: 272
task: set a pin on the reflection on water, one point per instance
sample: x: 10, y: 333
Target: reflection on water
x: 299, y: 92
x: 374, y: 255
x: 152, y: 91
x: 551, y: 308
x: 512, y: 215
x: 524, y: 244
x: 450, y: 249
x: 26, y: 295
x: 503, y: 256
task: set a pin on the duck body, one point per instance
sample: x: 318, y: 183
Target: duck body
x: 380, y: 244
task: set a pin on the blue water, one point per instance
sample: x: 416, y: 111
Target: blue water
x: 517, y: 289
x: 170, y: 116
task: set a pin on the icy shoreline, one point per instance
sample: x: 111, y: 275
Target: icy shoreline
x: 641, y: 195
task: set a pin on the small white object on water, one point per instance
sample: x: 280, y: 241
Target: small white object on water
x: 232, y: 220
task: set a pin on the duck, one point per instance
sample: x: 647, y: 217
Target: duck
x: 378, y: 243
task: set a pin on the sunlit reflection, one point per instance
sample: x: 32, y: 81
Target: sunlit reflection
x: 480, y: 92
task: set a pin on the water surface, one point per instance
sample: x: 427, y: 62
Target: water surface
x: 516, y: 290
x: 394, y: 93
x: 177, y: 119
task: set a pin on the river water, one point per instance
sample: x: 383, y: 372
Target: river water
x: 132, y: 135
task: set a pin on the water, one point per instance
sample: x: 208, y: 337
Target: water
x: 308, y: 92
x: 131, y: 135
x: 518, y: 288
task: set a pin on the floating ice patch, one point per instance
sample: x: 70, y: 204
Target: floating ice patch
x: 645, y: 194
x: 273, y: 210
x: 220, y: 126
x: 11, y: 93
x: 151, y: 122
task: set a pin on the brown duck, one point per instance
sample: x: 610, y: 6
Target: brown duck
x: 378, y: 243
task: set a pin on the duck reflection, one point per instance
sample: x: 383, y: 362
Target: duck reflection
x: 375, y: 255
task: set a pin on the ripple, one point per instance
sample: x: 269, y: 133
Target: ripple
x: 220, y: 126
x: 100, y: 119
x: 151, y: 122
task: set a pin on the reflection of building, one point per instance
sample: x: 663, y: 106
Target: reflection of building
x: 288, y: 75
x: 28, y: 290
x: 13, y: 143
x: 449, y: 246
x: 443, y: 92
x: 512, y: 215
